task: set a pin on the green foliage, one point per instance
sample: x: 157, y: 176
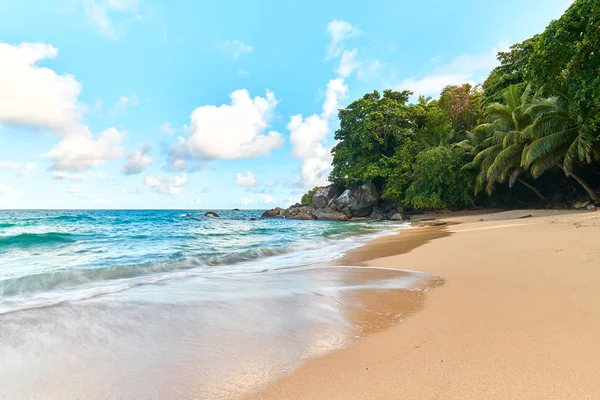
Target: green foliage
x: 569, y: 47
x: 435, y: 153
x: 370, y: 130
x: 513, y: 70
x: 438, y: 181
x: 308, y: 196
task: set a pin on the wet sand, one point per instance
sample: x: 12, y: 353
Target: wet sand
x: 518, y: 317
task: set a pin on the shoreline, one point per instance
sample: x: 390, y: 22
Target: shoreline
x: 510, y: 322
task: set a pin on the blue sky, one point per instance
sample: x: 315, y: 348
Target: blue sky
x: 205, y: 104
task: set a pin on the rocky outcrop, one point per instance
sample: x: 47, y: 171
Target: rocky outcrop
x: 275, y: 212
x: 359, y: 200
x: 325, y: 195
x: 211, y: 214
x: 333, y: 203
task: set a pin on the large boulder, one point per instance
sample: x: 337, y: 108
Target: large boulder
x: 302, y: 215
x: 330, y: 215
x: 275, y: 212
x: 323, y: 196
x: 359, y: 200
x: 397, y: 217
x: 377, y: 213
x: 211, y: 214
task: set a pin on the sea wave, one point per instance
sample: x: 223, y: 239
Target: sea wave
x: 26, y: 240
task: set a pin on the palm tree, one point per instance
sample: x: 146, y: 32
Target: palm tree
x: 501, y: 143
x: 557, y: 140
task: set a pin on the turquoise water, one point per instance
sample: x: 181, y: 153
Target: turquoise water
x: 162, y: 304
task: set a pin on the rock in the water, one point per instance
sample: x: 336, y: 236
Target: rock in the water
x: 252, y: 219
x: 359, y: 200
x: 236, y: 209
x: 211, y: 214
x: 397, y: 217
x: 377, y: 213
x: 275, y: 212
x: 330, y: 215
x: 323, y: 196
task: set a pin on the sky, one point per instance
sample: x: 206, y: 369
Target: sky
x: 147, y: 104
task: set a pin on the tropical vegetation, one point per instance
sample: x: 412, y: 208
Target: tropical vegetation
x: 530, y: 134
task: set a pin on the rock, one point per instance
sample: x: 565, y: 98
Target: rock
x: 252, y: 219
x: 275, y: 212
x: 211, y: 214
x: 582, y: 203
x: 236, y: 209
x: 377, y: 213
x: 346, y: 212
x: 591, y: 207
x: 331, y: 215
x: 305, y: 216
x: 323, y: 196
x: 397, y: 217
x: 359, y: 200
x: 187, y: 215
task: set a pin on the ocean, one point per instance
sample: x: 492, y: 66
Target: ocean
x: 172, y: 304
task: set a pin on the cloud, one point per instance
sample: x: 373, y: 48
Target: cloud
x: 309, y: 136
x: 229, y: 131
x: 137, y: 161
x: 465, y: 68
x: 77, y: 153
x: 76, y: 177
x: 7, y: 194
x: 19, y: 169
x: 348, y: 63
x: 335, y: 92
x: 245, y: 180
x: 306, y: 134
x: 236, y: 48
x: 258, y: 198
x: 99, y: 14
x: 123, y: 104
x: 369, y: 70
x: 36, y: 96
x: 339, y: 31
x: 73, y: 189
x: 166, y: 128
x: 31, y: 95
x: 197, y: 200
x: 166, y: 184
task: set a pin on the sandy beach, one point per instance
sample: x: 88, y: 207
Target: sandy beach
x: 517, y: 318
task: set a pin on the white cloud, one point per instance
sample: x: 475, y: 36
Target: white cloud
x: 166, y: 127
x: 465, y: 68
x: 309, y: 136
x: 258, y: 198
x: 369, y: 70
x: 99, y: 14
x: 123, y: 103
x: 19, y: 169
x: 230, y: 131
x: 7, y: 194
x: 74, y: 189
x: 77, y: 153
x: 166, y: 184
x: 197, y: 200
x: 348, y: 63
x: 76, y: 177
x: 137, y: 161
x: 245, y: 180
x: 339, y: 31
x: 31, y: 95
x: 306, y: 134
x: 336, y: 91
x: 236, y: 48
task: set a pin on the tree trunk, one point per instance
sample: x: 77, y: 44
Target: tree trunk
x: 533, y: 189
x: 593, y: 195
